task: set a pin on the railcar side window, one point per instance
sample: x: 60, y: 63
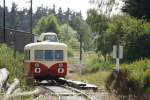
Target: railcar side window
x: 49, y: 55
x: 38, y: 55
x: 27, y: 55
x: 59, y: 55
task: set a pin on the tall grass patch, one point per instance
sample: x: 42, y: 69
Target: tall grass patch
x: 96, y: 63
x: 13, y: 64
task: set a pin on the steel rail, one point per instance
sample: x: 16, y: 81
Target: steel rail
x: 77, y: 90
x: 54, y: 93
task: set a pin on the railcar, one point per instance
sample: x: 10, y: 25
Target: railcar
x: 45, y: 61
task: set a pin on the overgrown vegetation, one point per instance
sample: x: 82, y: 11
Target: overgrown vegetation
x: 132, y: 80
x: 13, y: 64
x: 96, y: 63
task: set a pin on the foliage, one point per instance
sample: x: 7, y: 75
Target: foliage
x: 104, y: 7
x: 14, y: 65
x: 133, y: 79
x: 83, y: 30
x: 137, y: 8
x: 73, y: 43
x: 98, y: 18
x: 99, y: 24
x: 96, y: 63
x: 47, y: 24
x: 67, y: 32
x: 132, y: 34
x: 97, y: 78
x: 69, y: 36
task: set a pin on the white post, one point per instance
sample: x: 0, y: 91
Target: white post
x: 117, y: 64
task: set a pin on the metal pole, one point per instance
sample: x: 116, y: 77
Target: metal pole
x: 80, y: 48
x: 31, y: 20
x: 4, y: 34
x: 80, y: 54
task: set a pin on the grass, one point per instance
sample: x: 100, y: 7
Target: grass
x: 97, y: 78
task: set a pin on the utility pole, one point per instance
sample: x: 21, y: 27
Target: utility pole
x: 80, y: 54
x: 31, y: 20
x: 80, y: 48
x: 4, y: 34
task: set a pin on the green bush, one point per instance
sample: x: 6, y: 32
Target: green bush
x: 96, y: 63
x: 133, y: 79
x: 14, y: 65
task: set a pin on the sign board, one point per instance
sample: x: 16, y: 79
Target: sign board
x: 121, y: 52
x: 117, y: 54
x: 117, y: 51
x: 114, y: 51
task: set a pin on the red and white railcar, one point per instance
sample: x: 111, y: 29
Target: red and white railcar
x: 45, y: 60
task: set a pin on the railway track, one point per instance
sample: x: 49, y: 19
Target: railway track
x: 62, y: 92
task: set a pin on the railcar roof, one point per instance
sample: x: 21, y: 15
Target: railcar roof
x: 49, y: 33
x: 45, y: 44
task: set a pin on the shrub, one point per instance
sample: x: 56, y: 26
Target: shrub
x: 96, y: 63
x: 133, y: 79
x: 14, y: 65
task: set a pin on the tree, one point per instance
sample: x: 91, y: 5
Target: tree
x: 60, y: 15
x: 133, y: 34
x: 137, y: 8
x: 98, y: 18
x: 67, y: 32
x: 99, y: 24
x: 53, y: 10
x: 47, y: 24
x: 13, y: 17
x: 1, y: 16
x: 83, y: 30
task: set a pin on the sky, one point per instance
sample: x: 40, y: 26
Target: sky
x: 75, y: 5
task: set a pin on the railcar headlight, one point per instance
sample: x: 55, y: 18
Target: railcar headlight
x: 60, y: 70
x: 37, y: 68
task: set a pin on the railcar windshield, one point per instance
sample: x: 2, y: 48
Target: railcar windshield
x: 59, y: 55
x: 50, y: 38
x: 48, y: 55
x: 38, y: 54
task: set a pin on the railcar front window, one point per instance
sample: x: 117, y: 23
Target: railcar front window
x: 59, y: 55
x: 49, y: 55
x: 38, y: 55
x: 51, y: 38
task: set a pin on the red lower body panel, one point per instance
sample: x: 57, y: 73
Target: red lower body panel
x: 41, y: 72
